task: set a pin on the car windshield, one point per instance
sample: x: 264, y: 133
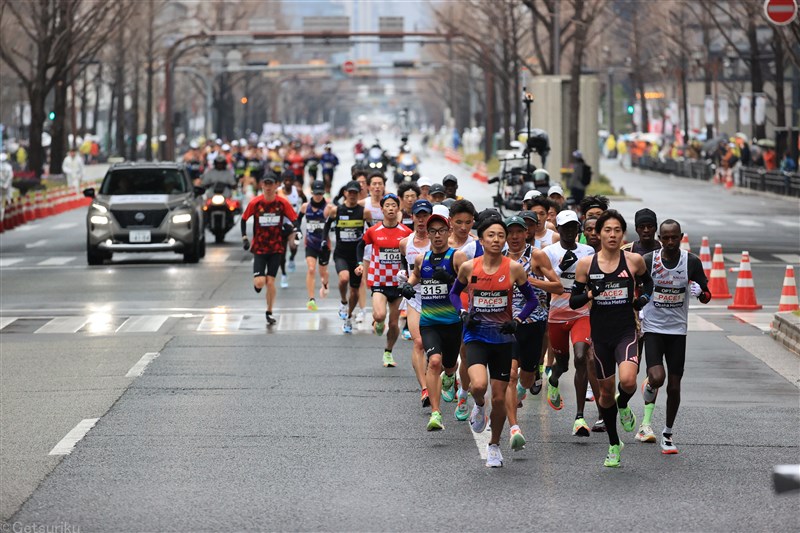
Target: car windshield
x: 145, y: 181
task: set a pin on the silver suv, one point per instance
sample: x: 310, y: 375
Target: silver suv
x: 145, y: 207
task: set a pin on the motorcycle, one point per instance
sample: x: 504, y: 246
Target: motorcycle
x: 406, y: 169
x: 219, y: 212
x: 376, y: 158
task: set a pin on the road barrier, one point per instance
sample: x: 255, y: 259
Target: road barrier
x: 718, y: 282
x: 705, y: 257
x: 685, y: 243
x: 744, y: 298
x: 41, y: 204
x: 480, y: 173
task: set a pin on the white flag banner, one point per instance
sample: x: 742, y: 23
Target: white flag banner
x: 637, y: 114
x: 761, y: 109
x: 744, y: 110
x: 674, y: 113
x: 723, y: 110
x: 708, y: 110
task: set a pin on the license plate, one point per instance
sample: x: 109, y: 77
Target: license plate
x: 140, y: 236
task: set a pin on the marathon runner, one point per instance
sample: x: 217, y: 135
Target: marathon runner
x: 432, y: 276
x: 295, y: 195
x: 645, y: 225
x: 384, y: 264
x: 675, y: 273
x: 489, y: 326
x: 610, y: 276
x: 592, y: 207
x: 589, y: 234
x: 269, y: 242
x: 316, y: 253
x: 540, y: 206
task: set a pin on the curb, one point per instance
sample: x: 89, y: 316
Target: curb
x: 786, y: 330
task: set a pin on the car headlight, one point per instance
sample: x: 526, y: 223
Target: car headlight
x: 182, y: 218
x: 100, y: 208
x: 217, y: 199
x: 100, y: 220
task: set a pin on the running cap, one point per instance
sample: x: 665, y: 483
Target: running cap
x: 421, y: 206
x: 353, y: 186
x: 577, y: 154
x: 270, y: 177
x: 424, y: 182
x: 645, y: 216
x: 442, y: 211
x: 318, y: 187
x: 437, y: 188
x: 555, y: 189
x: 528, y: 215
x: 531, y: 194
x: 450, y: 177
x: 438, y: 218
x: 515, y: 220
x: 565, y: 217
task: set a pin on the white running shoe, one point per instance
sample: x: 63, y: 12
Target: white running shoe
x: 478, y: 419
x: 347, y: 327
x: 291, y: 266
x: 343, y: 311
x: 494, y: 459
x: 284, y: 281
x: 667, y: 446
x: 645, y: 433
x: 360, y: 315
x: 589, y: 393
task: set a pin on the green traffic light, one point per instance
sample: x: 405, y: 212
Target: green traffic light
x: 630, y: 110
x: 52, y: 115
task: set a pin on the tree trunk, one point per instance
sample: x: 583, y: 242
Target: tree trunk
x: 84, y: 103
x: 59, y: 132
x: 109, y: 131
x: 119, y: 143
x: 489, y: 114
x: 780, y: 67
x: 579, y: 43
x: 148, y: 106
x: 98, y: 89
x: 707, y: 73
x: 133, y: 152
x: 35, y: 150
x: 756, y: 76
x: 644, y: 124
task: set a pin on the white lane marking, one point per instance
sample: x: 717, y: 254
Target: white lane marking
x: 749, y: 223
x: 65, y: 225
x: 698, y: 323
x: 216, y: 258
x: 299, y: 322
x: 788, y: 223
x: 762, y: 321
x: 6, y: 320
x: 37, y: 244
x: 67, y: 444
x: 778, y: 358
x: 27, y: 227
x: 791, y: 259
x: 8, y: 261
x: 64, y: 324
x: 737, y: 258
x: 138, y: 369
x: 710, y: 222
x: 220, y: 322
x: 56, y: 261
x: 143, y: 324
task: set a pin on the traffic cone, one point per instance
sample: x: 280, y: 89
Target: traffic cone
x: 745, y: 296
x: 28, y: 210
x: 10, y: 219
x: 718, y: 280
x: 705, y: 257
x: 19, y: 215
x: 729, y: 181
x: 685, y: 243
x: 789, y: 292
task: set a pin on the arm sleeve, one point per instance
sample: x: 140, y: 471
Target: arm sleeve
x: 578, y: 298
x: 531, y: 301
x: 455, y: 294
x: 298, y: 220
x: 647, y: 282
x: 360, y: 250
x: 244, y: 227
x: 327, y: 229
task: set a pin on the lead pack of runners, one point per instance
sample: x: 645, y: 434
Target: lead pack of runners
x: 497, y: 307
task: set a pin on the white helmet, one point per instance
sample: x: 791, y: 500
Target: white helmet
x: 226, y: 147
x: 3, y: 156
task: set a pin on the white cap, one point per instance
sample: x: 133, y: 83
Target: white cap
x: 424, y: 182
x: 3, y: 156
x: 226, y: 147
x: 555, y: 189
x: 441, y: 210
x: 566, y: 216
x: 531, y: 194
x: 218, y: 141
x: 234, y: 143
x: 193, y: 145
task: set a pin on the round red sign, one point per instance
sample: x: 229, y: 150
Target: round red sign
x: 348, y: 67
x: 780, y: 12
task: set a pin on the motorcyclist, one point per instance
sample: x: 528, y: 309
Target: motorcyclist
x: 221, y: 175
x: 405, y: 161
x: 329, y: 163
x: 359, y: 148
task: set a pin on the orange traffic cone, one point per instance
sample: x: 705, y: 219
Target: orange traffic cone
x: 729, y: 181
x: 705, y: 257
x: 745, y: 296
x: 789, y: 292
x: 718, y: 280
x: 685, y: 243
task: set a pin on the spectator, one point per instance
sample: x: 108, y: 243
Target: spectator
x: 577, y: 181
x: 770, y: 159
x: 72, y: 166
x: 788, y: 164
x: 6, y: 179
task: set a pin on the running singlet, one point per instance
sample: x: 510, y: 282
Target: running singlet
x: 612, y: 315
x: 267, y: 238
x: 540, y: 313
x: 377, y: 212
x: 349, y: 229
x: 545, y: 241
x: 412, y: 251
x: 668, y: 311
x: 293, y: 197
x: 384, y: 261
x: 315, y: 222
x: 490, y: 301
x: 436, y: 306
x: 564, y: 263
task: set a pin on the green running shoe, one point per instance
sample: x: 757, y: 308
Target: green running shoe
x: 517, y: 440
x: 554, y: 397
x: 626, y: 417
x: 388, y: 360
x: 580, y: 428
x: 614, y: 455
x: 462, y: 410
x: 435, y: 422
x: 448, y: 388
x: 522, y: 392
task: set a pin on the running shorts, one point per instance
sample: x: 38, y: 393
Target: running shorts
x: 528, y: 347
x: 607, y: 355
x: 323, y: 256
x: 266, y: 264
x: 444, y: 339
x: 561, y: 333
x: 349, y: 264
x: 495, y: 356
x: 672, y: 348
x: 392, y: 293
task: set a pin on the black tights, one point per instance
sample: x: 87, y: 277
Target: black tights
x: 609, y: 415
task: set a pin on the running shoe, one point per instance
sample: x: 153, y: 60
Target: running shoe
x: 426, y: 401
x: 522, y: 392
x: 626, y: 417
x: 536, y: 388
x: 580, y: 428
x: 667, y: 446
x: 284, y: 281
x: 347, y: 327
x: 462, y: 410
x: 614, y: 455
x: 517, y: 440
x: 599, y: 426
x: 403, y: 313
x: 406, y: 335
x: 360, y: 315
x: 494, y: 459
x: 271, y: 319
x: 323, y: 292
x: 648, y: 394
x: 589, y: 393
x: 343, y: 311
x: 378, y: 328
x: 645, y: 433
x: 448, y: 388
x: 290, y: 266
x: 478, y: 419
x: 435, y: 422
x: 554, y: 397
x: 388, y: 360
x: 312, y: 305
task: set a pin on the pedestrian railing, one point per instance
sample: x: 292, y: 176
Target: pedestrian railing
x: 785, y: 183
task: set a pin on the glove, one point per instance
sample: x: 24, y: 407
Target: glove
x: 298, y: 238
x: 407, y: 290
x: 287, y: 230
x: 402, y: 276
x: 324, y: 245
x: 695, y: 289
x: 509, y: 327
x: 567, y: 260
x: 441, y: 274
x: 469, y: 320
x: 640, y: 302
x: 597, y: 287
x: 245, y: 243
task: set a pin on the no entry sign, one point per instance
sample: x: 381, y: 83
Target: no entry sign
x: 780, y: 12
x: 348, y: 67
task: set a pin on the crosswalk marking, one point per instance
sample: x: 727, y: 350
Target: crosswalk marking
x: 8, y: 261
x: 749, y: 223
x: 216, y: 258
x: 710, y: 222
x: 143, y: 324
x: 789, y: 223
x: 64, y: 225
x: 220, y: 323
x: 762, y: 321
x: 6, y: 320
x: 791, y: 259
x: 698, y: 323
x: 37, y: 244
x: 737, y: 258
x: 56, y: 261
x: 64, y: 324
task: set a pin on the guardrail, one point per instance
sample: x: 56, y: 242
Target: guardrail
x: 785, y: 183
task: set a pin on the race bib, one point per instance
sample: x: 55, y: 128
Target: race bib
x: 389, y: 256
x: 615, y: 292
x: 567, y: 280
x: 269, y: 219
x: 315, y: 225
x: 433, y: 288
x: 489, y: 301
x: 669, y: 297
x: 348, y: 235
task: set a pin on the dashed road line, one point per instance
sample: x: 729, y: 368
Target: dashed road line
x: 139, y: 368
x: 67, y: 444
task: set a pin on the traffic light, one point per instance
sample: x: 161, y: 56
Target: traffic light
x: 244, y: 100
x: 52, y: 115
x: 630, y: 109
